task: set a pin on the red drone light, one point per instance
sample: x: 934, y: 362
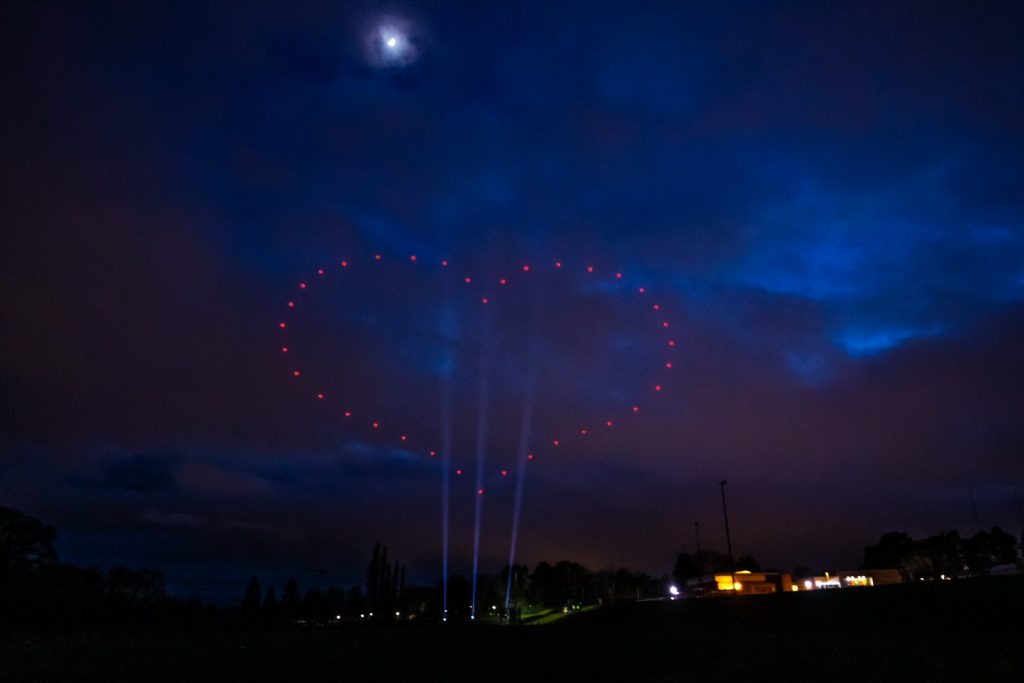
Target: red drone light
x: 642, y: 290
x: 526, y: 269
x: 344, y: 264
x: 291, y: 304
x: 404, y: 437
x: 348, y: 413
x: 320, y: 396
x: 671, y: 342
x: 558, y: 264
x: 529, y: 456
x: 302, y: 285
x: 284, y: 349
x: 479, y: 492
x: 590, y: 269
x: 282, y: 325
x: 319, y: 271
x: 376, y: 256
x: 503, y: 281
x: 484, y: 300
x: 376, y: 425
x: 668, y: 364
x: 555, y: 442
x: 618, y: 276
x: 296, y: 373
x: 636, y: 409
x: 444, y: 263
x: 657, y: 387
x: 657, y: 307
x: 583, y: 432
x: 468, y: 280
x: 504, y: 473
x: 665, y: 324
x: 433, y: 454
x: 458, y: 472
x: 609, y: 423
x: 413, y: 257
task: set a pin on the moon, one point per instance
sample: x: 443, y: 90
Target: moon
x: 390, y: 44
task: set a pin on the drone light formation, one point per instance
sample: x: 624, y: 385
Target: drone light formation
x: 506, y: 283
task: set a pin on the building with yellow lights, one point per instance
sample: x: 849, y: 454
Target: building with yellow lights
x: 764, y: 583
x: 857, y: 578
x: 742, y: 582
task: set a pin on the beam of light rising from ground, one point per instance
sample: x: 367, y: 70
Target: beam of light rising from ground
x: 446, y: 482
x: 517, y: 505
x: 483, y: 399
x: 525, y: 434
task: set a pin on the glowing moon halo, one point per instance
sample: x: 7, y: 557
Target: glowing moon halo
x: 391, y: 45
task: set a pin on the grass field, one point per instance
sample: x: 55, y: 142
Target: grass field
x: 955, y: 631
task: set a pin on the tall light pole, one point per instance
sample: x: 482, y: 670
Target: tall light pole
x: 728, y: 539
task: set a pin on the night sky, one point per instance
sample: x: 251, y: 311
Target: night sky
x: 826, y: 200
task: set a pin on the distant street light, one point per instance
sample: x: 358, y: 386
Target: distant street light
x: 728, y: 539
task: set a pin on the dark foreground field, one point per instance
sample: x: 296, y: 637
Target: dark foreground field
x: 955, y: 631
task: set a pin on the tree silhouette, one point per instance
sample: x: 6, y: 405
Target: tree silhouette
x: 685, y: 569
x: 747, y: 563
x: 373, y: 578
x: 986, y: 549
x: 290, y: 599
x: 270, y: 600
x: 133, y: 587
x: 520, y: 582
x: 892, y: 551
x: 708, y: 562
x: 251, y: 599
x: 385, y: 582
x: 25, y: 543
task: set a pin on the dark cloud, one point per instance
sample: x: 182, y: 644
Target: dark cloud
x: 140, y: 473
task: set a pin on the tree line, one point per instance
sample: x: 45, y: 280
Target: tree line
x: 37, y: 589
x: 945, y: 554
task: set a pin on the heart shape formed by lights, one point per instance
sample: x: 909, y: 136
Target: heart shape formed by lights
x: 480, y: 290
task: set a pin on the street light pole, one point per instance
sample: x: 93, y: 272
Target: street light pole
x: 728, y: 539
